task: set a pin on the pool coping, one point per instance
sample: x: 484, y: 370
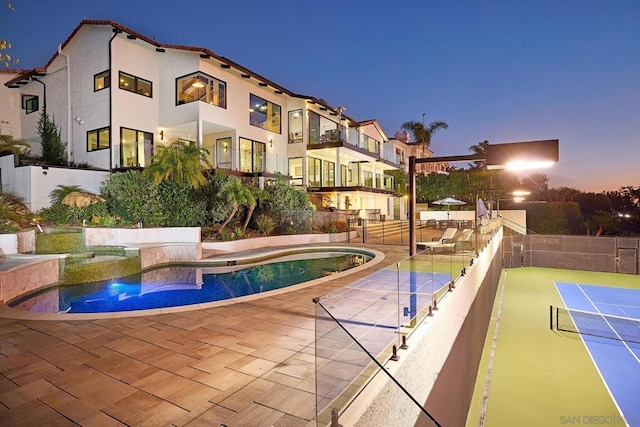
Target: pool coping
x: 11, y: 313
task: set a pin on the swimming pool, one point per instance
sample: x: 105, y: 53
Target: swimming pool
x: 181, y: 285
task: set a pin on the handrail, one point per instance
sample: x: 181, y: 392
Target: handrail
x: 514, y: 226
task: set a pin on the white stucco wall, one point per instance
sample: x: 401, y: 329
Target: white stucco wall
x: 88, y: 56
x: 140, y: 236
x: 132, y: 110
x: 9, y: 106
x: 33, y: 184
x: 8, y: 244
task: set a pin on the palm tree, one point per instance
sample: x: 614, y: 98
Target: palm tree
x: 479, y: 148
x: 8, y: 145
x: 421, y: 134
x: 61, y: 191
x: 237, y: 194
x: 182, y: 162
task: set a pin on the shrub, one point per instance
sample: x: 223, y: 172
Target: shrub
x: 59, y: 213
x: 13, y: 213
x: 183, y: 207
x: 237, y: 231
x: 265, y: 223
x: 132, y: 196
x: 281, y: 196
x: 226, y: 235
x: 53, y: 150
x: 217, y: 208
x: 107, y: 221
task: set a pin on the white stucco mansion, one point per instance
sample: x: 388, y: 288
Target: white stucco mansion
x: 117, y: 95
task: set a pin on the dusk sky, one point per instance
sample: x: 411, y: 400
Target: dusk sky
x: 501, y: 71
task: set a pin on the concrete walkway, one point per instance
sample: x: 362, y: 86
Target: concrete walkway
x: 244, y: 364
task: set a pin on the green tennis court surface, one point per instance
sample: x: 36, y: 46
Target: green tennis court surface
x: 540, y: 377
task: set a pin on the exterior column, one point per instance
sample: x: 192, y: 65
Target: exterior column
x: 199, y: 132
x: 338, y: 176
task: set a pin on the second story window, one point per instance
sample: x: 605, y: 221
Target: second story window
x: 101, y: 81
x: 201, y: 87
x: 370, y: 144
x: 135, y: 84
x: 323, y: 130
x: 295, y: 126
x: 264, y: 114
x: 30, y: 103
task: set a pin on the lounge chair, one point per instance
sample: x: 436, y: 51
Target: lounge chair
x: 462, y: 241
x: 448, y: 234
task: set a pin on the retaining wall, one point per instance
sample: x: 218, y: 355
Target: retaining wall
x: 219, y: 248
x: 28, y: 277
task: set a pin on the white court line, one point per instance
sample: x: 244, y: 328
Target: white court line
x: 586, y: 347
x: 494, y: 343
x: 605, y: 319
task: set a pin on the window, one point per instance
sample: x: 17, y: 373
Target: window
x: 315, y: 172
x: 101, y: 81
x: 328, y: 174
x: 295, y: 126
x: 98, y: 139
x: 201, y: 87
x: 371, y: 144
x: 136, y: 147
x: 223, y: 153
x: 252, y: 157
x: 295, y: 170
x: 264, y: 114
x: 368, y: 178
x: 135, y: 84
x: 30, y: 103
x: 323, y: 130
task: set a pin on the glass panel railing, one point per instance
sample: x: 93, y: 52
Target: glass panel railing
x: 363, y: 325
x: 343, y: 368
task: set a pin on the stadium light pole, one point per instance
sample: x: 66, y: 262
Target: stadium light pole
x: 512, y: 156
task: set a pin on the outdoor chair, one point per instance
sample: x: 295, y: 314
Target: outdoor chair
x: 448, y: 234
x: 460, y: 242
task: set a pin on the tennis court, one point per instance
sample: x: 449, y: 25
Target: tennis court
x: 608, y: 320
x: 531, y: 375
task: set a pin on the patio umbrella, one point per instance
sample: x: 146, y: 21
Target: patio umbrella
x: 449, y: 201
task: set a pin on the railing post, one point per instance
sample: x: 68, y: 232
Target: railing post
x: 394, y: 355
x: 334, y: 418
x: 404, y: 345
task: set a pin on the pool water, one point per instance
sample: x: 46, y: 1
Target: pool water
x: 185, y: 285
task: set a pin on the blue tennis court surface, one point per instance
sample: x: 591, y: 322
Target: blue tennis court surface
x: 617, y: 361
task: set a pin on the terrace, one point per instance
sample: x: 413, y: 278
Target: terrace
x: 255, y: 362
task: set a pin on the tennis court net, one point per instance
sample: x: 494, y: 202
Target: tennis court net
x: 595, y: 324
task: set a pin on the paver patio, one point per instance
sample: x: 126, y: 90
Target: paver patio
x: 244, y: 364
